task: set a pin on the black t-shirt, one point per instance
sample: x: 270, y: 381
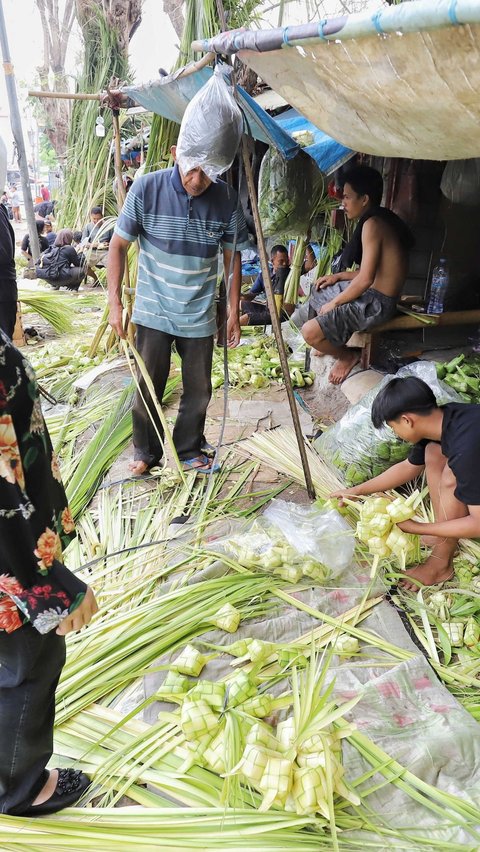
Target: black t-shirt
x: 460, y: 444
x: 26, y: 243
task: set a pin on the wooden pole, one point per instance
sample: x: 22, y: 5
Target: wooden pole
x: 275, y: 319
x: 103, y: 96
x: 117, y: 158
x: 120, y: 193
x: 66, y: 96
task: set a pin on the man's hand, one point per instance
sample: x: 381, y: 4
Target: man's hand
x: 328, y: 306
x: 412, y: 527
x: 325, y: 281
x: 233, y: 331
x: 115, y: 318
x: 80, y: 616
x: 355, y: 491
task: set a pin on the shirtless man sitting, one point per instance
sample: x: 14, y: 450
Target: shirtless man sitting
x: 357, y: 301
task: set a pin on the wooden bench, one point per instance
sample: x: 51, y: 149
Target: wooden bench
x: 366, y: 340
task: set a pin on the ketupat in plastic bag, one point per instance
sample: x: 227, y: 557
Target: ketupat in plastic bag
x: 211, y: 128
x: 320, y: 534
x: 286, y: 192
x: 263, y: 546
x: 355, y: 450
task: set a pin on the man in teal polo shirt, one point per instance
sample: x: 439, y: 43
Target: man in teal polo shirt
x: 180, y: 220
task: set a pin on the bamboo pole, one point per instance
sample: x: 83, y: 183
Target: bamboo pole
x: 67, y: 96
x: 275, y: 319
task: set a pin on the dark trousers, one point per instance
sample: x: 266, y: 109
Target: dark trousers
x: 260, y: 314
x: 30, y: 666
x: 72, y: 281
x: 155, y: 347
x: 8, y: 316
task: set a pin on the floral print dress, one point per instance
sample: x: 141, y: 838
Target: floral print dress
x: 35, y: 521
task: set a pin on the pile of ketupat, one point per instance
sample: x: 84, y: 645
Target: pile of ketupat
x: 257, y: 365
x: 456, y: 663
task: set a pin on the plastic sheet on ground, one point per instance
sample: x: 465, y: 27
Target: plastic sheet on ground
x: 408, y: 713
x: 403, y: 708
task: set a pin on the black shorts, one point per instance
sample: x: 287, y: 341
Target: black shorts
x: 371, y: 308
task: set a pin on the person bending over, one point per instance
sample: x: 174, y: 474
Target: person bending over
x: 357, y: 301
x: 447, y: 446
x: 60, y: 265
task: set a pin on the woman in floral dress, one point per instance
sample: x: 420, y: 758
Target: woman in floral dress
x: 40, y: 599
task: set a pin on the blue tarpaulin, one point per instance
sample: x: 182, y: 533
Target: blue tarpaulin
x: 169, y: 96
x: 327, y: 153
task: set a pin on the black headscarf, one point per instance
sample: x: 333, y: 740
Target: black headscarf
x: 352, y: 252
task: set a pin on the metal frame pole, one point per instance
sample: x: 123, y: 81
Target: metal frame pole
x: 16, y: 124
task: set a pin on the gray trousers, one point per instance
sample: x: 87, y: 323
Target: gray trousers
x: 155, y: 347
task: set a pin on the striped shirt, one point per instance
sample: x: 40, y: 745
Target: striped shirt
x: 179, y: 237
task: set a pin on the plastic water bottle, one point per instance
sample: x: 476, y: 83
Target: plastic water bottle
x: 438, y: 287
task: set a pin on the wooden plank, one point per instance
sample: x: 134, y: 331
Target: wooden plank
x: 447, y: 318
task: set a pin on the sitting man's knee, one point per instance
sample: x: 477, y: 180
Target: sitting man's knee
x: 310, y: 331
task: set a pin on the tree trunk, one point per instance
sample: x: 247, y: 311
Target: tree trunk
x: 124, y: 16
x: 107, y: 26
x: 173, y: 8
x: 56, y: 32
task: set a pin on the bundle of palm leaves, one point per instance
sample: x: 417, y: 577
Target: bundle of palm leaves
x: 59, y: 309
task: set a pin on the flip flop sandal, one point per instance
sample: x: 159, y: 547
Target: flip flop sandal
x: 200, y: 464
x: 208, y: 449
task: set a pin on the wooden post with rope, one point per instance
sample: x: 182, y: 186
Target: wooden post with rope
x: 275, y: 318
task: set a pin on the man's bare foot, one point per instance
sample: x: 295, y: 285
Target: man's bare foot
x: 431, y: 572
x: 138, y: 468
x: 48, y: 789
x: 343, y: 366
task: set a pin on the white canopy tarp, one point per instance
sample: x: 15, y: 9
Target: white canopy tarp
x: 412, y: 95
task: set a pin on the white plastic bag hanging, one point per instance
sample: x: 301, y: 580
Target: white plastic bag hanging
x: 211, y: 129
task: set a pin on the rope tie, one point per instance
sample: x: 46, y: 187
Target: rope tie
x: 376, y: 22
x: 452, y: 12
